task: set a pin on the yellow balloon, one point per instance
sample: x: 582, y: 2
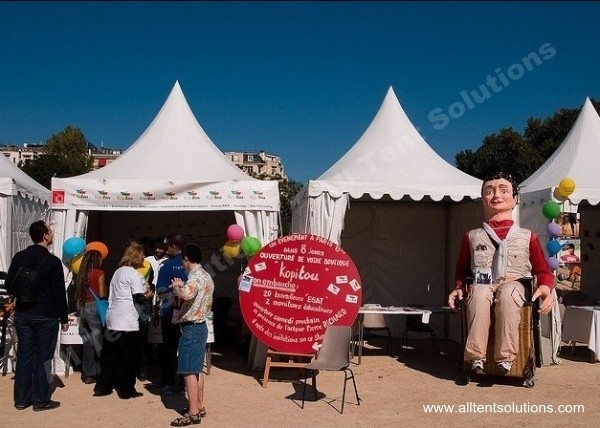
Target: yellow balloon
x: 231, y: 249
x: 566, y: 187
x: 76, y: 263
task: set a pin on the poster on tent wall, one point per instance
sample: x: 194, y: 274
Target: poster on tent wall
x: 160, y: 195
x: 569, y: 258
x: 295, y: 287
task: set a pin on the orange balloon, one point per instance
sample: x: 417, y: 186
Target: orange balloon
x: 98, y: 246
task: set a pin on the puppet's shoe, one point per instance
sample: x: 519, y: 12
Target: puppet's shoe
x: 505, y: 366
x: 477, y: 365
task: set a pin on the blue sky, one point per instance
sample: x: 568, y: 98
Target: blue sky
x: 301, y: 80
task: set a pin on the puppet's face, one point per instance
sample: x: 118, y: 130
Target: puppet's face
x: 498, y: 197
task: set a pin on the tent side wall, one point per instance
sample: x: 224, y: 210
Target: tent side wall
x: 17, y: 212
x: 5, y: 232
x: 321, y: 215
x: 24, y: 212
x: 590, y: 248
x: 301, y: 212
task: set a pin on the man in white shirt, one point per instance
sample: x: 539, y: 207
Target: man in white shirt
x: 156, y: 258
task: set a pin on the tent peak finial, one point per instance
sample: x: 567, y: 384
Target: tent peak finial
x: 391, y: 95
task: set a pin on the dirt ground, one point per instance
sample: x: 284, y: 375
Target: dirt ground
x: 393, y: 391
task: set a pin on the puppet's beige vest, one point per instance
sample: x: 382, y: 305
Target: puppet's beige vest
x: 482, y: 252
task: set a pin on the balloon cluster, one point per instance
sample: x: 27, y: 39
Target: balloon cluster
x: 75, y: 247
x: 238, y: 244
x: 552, y: 210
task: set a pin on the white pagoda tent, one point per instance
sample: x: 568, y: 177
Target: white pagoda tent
x: 576, y: 158
x: 172, y: 179
x: 397, y: 208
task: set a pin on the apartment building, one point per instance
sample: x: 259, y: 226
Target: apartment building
x: 258, y: 163
x: 102, y: 156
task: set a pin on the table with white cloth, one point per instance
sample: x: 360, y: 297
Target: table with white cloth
x: 386, y: 310
x: 582, y: 324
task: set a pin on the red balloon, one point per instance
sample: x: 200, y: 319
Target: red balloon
x: 98, y: 246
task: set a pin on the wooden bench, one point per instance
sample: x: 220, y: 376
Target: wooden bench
x: 284, y: 359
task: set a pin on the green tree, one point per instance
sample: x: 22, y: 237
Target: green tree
x: 520, y: 155
x: 288, y: 189
x: 506, y: 151
x: 546, y: 135
x: 65, y: 155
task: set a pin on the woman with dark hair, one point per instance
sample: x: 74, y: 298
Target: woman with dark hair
x: 120, y: 345
x: 90, y: 277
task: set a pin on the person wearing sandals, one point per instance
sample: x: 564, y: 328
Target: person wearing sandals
x: 196, y: 295
x: 90, y: 276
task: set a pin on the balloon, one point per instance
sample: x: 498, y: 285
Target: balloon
x: 250, y: 245
x: 76, y: 263
x: 98, y: 246
x: 73, y: 246
x: 235, y: 233
x: 231, y: 249
x: 145, y: 269
x: 553, y: 247
x: 67, y: 260
x: 557, y: 196
x: 553, y: 229
x: 551, y: 210
x: 553, y: 263
x: 566, y: 187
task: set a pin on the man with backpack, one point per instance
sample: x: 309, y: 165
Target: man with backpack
x: 36, y: 280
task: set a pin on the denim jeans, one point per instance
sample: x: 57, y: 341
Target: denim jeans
x: 192, y: 345
x: 90, y: 329
x: 37, y: 336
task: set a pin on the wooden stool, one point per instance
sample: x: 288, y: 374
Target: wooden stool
x: 284, y: 359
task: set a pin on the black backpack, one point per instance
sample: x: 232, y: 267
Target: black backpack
x: 26, y: 281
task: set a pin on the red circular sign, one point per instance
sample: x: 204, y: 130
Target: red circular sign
x: 296, y: 286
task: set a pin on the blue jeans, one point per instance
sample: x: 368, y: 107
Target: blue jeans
x: 36, y: 335
x: 192, y: 345
x: 90, y: 329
